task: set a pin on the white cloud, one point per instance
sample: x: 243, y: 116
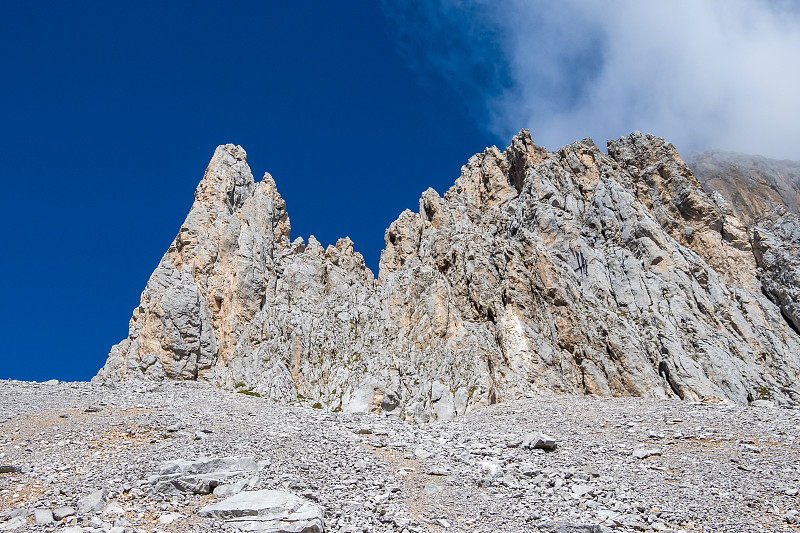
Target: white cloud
x: 704, y: 74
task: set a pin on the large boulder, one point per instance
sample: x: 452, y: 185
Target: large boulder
x: 269, y: 511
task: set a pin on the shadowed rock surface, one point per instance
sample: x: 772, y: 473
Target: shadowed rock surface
x: 765, y: 194
x: 568, y: 271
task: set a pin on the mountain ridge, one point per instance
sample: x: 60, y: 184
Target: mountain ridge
x: 568, y: 271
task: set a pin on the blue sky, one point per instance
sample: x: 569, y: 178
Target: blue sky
x: 113, y: 111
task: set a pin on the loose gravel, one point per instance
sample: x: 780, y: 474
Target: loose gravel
x: 79, y: 457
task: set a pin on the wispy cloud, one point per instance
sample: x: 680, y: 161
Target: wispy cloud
x: 704, y: 74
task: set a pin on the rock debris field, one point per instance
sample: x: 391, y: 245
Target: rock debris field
x: 159, y: 457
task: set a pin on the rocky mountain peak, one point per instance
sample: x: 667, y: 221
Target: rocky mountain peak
x: 571, y: 271
x: 227, y: 180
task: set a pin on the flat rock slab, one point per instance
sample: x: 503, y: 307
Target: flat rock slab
x: 272, y: 511
x: 63, y: 512
x: 200, y: 484
x: 207, y: 465
x: 15, y: 523
x: 200, y: 476
x: 569, y: 527
x: 43, y: 516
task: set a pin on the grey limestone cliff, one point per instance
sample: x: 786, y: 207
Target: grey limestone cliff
x: 570, y: 271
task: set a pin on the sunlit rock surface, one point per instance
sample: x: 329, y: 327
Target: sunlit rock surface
x: 571, y: 271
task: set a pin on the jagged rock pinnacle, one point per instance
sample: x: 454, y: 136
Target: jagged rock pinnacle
x: 569, y: 271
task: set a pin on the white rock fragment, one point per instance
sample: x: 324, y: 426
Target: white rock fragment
x: 166, y: 519
x: 62, y: 512
x: 114, y: 509
x: 271, y: 511
x: 491, y: 469
x: 644, y: 453
x: 228, y: 490
x: 422, y: 453
x: 15, y: 523
x: 539, y: 441
x: 93, y: 503
x: 43, y: 516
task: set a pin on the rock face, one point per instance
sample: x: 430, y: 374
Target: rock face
x: 752, y: 184
x: 765, y: 194
x: 776, y: 243
x: 569, y: 271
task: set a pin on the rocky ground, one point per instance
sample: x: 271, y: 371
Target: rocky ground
x: 135, y: 457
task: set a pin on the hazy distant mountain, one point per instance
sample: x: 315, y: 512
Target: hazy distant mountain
x: 752, y: 184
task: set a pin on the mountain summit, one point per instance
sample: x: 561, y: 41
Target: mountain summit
x: 570, y: 271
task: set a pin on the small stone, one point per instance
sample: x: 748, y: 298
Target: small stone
x: 539, y: 441
x: 10, y: 469
x: 438, y: 471
x: 644, y: 453
x: 43, y: 516
x: 422, y: 453
x: 402, y: 522
x: 767, y: 404
x: 226, y: 491
x: 431, y: 488
x: 491, y: 469
x: 63, y: 512
x: 581, y: 490
x: 94, y: 502
x: 166, y: 519
x: 93, y: 409
x: 113, y: 508
x: 792, y: 517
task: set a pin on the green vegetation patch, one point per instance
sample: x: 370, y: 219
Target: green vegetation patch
x: 242, y: 388
x: 764, y: 393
